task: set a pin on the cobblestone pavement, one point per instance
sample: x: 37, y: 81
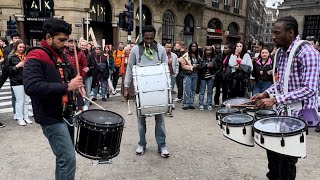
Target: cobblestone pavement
x: 197, y: 148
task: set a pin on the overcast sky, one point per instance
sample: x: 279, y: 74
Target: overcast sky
x: 270, y: 2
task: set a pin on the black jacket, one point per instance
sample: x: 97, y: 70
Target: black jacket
x: 42, y: 82
x: 258, y: 66
x: 7, y: 50
x: 91, y: 63
x: 97, y: 68
x: 203, y: 67
x: 14, y: 73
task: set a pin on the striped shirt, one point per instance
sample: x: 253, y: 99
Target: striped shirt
x: 303, y: 79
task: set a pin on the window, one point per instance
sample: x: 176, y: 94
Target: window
x: 226, y: 2
x: 168, y: 25
x: 236, y: 4
x: 215, y: 3
x: 268, y: 24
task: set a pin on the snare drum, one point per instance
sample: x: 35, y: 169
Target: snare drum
x: 99, y: 134
x: 153, y: 89
x: 223, y: 112
x: 282, y: 134
x: 236, y: 101
x: 238, y: 127
x: 264, y: 113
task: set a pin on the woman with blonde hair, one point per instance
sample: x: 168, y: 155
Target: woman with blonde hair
x: 123, y: 67
x: 14, y: 69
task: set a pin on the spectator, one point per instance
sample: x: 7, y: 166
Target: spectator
x: 118, y: 56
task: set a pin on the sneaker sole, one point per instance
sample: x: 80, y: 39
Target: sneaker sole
x: 140, y: 154
x: 165, y: 155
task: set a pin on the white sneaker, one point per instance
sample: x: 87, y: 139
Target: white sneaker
x: 85, y: 108
x: 173, y: 107
x: 15, y: 117
x: 140, y: 150
x: 164, y: 152
x: 210, y: 108
x: 21, y: 122
x: 201, y: 108
x: 114, y: 92
x: 28, y: 121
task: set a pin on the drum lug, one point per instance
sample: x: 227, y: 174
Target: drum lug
x: 216, y: 116
x: 227, y: 130
x: 244, y: 131
x: 261, y: 139
x: 302, y: 138
x: 307, y: 131
x: 283, y: 142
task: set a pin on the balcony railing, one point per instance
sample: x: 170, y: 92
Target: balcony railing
x: 236, y: 10
x: 201, y: 2
x: 215, y: 4
x: 227, y: 7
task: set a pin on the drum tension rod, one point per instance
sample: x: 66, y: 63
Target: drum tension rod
x: 244, y: 131
x: 282, y: 142
x: 302, y: 138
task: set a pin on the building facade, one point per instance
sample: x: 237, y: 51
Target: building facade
x: 255, y: 23
x: 306, y: 12
x: 271, y: 18
x: 204, y: 21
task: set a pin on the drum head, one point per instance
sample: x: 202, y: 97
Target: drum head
x: 237, y: 120
x: 236, y: 101
x: 279, y: 125
x: 228, y: 110
x: 101, y: 118
x: 266, y: 112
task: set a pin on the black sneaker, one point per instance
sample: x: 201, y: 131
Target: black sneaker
x: 104, y: 99
x: 185, y: 108
x: 1, y: 125
x: 192, y: 107
x: 94, y: 99
x: 108, y: 95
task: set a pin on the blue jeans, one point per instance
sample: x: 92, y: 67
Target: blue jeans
x: 261, y: 86
x: 208, y: 83
x: 160, y: 131
x: 102, y: 83
x: 190, y: 87
x: 62, y: 147
x: 88, y: 84
x: 173, y: 81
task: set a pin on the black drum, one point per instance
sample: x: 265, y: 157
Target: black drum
x: 264, y: 113
x: 99, y: 134
x: 222, y: 112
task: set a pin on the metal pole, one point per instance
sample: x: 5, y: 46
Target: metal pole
x: 87, y: 26
x: 140, y: 20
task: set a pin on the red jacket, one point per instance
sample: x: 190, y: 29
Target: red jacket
x: 82, y: 61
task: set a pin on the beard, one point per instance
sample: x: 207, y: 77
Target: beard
x: 56, y: 49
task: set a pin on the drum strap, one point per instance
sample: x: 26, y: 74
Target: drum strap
x: 293, y: 52
x: 141, y: 48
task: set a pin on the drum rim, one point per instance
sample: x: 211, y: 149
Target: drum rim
x: 266, y: 114
x: 224, y: 103
x: 237, y: 124
x: 280, y: 134
x: 238, y: 111
x: 96, y: 157
x: 90, y: 123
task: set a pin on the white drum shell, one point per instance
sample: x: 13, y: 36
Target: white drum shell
x: 153, y: 89
x: 292, y: 146
x: 236, y: 134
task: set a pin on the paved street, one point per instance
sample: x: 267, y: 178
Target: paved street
x: 198, y: 151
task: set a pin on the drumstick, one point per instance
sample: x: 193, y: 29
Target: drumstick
x: 76, y: 56
x: 94, y: 103
x: 242, y: 105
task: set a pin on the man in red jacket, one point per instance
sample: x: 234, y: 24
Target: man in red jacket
x: 83, y: 68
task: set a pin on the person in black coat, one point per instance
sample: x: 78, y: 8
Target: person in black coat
x: 101, y: 73
x: 262, y: 72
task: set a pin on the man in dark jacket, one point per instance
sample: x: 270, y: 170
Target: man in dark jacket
x: 47, y: 80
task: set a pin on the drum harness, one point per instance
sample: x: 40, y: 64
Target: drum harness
x: 294, y: 106
x: 68, y: 108
x: 141, y: 48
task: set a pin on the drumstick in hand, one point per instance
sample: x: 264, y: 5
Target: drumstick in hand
x: 76, y: 56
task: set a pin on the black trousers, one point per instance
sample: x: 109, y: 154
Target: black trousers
x: 238, y: 88
x: 115, y: 77
x: 281, y: 167
x: 226, y: 89
x: 217, y: 83
x: 179, y: 81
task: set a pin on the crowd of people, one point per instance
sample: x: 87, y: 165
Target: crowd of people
x: 49, y: 75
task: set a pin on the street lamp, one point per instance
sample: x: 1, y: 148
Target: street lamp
x: 87, y: 10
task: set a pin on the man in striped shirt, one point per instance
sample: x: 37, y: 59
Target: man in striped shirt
x: 302, y: 87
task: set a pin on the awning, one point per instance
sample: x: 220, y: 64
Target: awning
x: 214, y: 37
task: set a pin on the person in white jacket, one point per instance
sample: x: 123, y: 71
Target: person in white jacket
x: 241, y: 68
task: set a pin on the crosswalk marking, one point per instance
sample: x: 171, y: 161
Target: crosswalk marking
x: 6, y: 103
